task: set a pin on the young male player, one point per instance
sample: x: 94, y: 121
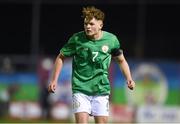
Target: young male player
x: 91, y: 50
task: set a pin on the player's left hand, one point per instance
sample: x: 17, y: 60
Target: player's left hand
x: 131, y: 84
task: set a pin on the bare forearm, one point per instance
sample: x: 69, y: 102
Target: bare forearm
x: 124, y: 66
x: 125, y: 70
x: 57, y: 68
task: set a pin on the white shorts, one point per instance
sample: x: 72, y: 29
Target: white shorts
x: 94, y: 105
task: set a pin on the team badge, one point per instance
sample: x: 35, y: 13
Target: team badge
x: 105, y: 48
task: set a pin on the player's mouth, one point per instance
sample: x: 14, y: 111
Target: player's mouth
x: 88, y: 31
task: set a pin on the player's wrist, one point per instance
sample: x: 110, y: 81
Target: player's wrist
x: 129, y: 80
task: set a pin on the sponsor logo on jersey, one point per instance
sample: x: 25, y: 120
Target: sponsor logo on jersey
x: 105, y: 48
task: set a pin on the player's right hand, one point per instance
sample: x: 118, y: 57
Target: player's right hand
x: 52, y: 87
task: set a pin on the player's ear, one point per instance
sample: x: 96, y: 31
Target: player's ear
x: 101, y: 25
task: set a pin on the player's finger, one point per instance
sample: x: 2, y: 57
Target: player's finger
x: 53, y: 88
x: 50, y: 89
x: 130, y: 87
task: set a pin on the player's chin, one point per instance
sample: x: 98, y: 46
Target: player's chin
x: 89, y: 33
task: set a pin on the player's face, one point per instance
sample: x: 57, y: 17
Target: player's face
x: 93, y: 27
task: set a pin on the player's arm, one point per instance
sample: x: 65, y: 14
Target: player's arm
x: 55, y: 73
x: 120, y: 59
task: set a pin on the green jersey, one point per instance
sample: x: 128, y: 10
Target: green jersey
x: 91, y: 60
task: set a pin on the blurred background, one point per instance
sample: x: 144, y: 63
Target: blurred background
x: 33, y: 31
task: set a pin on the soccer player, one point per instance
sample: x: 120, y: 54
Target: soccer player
x: 91, y: 50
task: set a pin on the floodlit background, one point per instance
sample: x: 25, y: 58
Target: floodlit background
x: 33, y: 31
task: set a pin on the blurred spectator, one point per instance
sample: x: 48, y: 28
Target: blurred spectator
x: 7, y: 66
x: 6, y: 94
x: 44, y: 67
x: 4, y: 102
x: 6, y: 97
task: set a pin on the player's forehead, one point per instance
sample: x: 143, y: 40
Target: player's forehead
x: 92, y: 20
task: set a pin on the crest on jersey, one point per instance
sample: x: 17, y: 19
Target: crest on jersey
x: 105, y: 48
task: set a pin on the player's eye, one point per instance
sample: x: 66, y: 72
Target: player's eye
x: 91, y: 23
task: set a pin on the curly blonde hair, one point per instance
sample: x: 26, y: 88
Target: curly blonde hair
x: 91, y: 12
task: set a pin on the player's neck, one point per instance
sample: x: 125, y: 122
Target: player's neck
x: 97, y: 36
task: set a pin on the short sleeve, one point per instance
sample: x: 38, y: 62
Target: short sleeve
x: 116, y: 43
x: 116, y: 50
x: 69, y: 48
